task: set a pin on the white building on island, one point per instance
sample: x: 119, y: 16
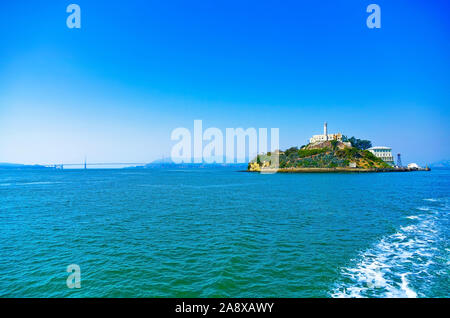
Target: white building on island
x: 326, y: 136
x: 384, y: 153
x: 413, y: 166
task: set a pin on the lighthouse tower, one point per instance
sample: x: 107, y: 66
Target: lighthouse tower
x: 325, y: 131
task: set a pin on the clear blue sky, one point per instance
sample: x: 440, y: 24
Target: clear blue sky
x: 115, y: 89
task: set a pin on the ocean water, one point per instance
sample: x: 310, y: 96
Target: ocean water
x: 222, y: 233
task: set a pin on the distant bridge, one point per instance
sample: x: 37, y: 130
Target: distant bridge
x: 85, y: 165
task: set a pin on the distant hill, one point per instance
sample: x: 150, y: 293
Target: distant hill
x: 195, y: 165
x: 160, y: 161
x: 17, y: 166
x: 167, y: 162
x: 441, y: 164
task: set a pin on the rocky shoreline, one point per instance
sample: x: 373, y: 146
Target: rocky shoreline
x: 333, y: 170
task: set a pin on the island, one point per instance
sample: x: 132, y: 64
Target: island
x: 330, y: 153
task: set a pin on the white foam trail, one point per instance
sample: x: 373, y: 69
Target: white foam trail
x: 408, y: 228
x: 399, y: 264
x: 408, y: 291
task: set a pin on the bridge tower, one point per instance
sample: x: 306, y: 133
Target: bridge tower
x: 399, y: 161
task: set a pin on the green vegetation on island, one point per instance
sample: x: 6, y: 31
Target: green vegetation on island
x: 358, y: 143
x: 349, y: 154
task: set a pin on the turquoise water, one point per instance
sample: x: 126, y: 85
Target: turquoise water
x: 214, y: 233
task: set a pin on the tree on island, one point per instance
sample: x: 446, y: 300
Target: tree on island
x: 358, y: 143
x: 291, y: 151
x: 334, y: 144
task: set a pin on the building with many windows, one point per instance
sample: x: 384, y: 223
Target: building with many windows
x: 384, y: 153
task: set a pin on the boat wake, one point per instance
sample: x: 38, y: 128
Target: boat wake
x: 403, y: 264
